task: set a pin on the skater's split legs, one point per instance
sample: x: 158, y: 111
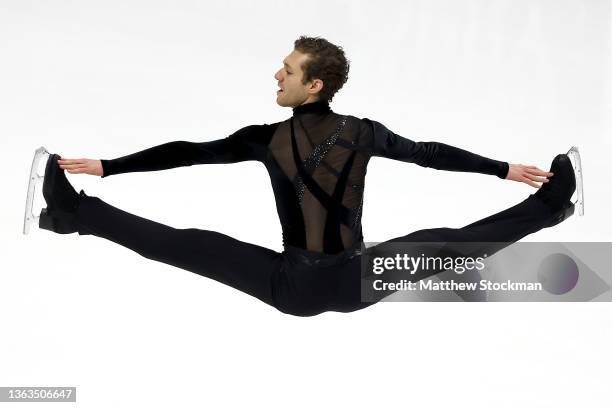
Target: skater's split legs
x: 278, y: 279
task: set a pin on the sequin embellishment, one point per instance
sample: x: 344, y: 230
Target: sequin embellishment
x: 315, y: 157
x: 358, y: 212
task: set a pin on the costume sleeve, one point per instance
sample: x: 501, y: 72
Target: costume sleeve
x: 240, y: 146
x: 431, y: 154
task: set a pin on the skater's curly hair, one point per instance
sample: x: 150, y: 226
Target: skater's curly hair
x: 326, y: 61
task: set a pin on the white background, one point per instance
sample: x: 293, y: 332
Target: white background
x: 518, y: 81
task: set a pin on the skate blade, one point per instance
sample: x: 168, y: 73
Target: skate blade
x: 574, y: 157
x: 41, y: 155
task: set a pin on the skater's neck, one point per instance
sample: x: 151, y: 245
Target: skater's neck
x: 312, y: 107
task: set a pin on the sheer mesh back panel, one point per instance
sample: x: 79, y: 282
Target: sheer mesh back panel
x: 326, y: 159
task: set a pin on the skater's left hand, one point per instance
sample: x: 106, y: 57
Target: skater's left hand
x: 527, y: 174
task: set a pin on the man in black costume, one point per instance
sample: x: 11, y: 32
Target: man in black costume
x: 317, y: 163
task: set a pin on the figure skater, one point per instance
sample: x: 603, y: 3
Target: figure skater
x: 317, y: 163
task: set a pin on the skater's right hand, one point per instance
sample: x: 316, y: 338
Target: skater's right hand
x: 528, y: 174
x: 81, y: 166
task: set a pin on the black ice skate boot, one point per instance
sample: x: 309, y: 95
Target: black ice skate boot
x: 558, y: 191
x: 62, y: 200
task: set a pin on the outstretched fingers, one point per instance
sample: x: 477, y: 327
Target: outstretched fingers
x: 538, y: 172
x: 72, y: 165
x: 530, y: 182
x: 532, y: 175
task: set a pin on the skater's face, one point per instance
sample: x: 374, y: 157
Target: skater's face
x: 292, y: 91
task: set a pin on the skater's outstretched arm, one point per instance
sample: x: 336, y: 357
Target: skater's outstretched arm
x: 445, y: 157
x: 432, y: 154
x: 240, y: 146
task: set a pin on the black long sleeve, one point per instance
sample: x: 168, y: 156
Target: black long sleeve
x: 432, y: 154
x: 234, y: 148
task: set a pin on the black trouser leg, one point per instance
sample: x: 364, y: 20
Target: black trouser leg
x: 249, y: 268
x: 507, y: 226
x: 489, y: 235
